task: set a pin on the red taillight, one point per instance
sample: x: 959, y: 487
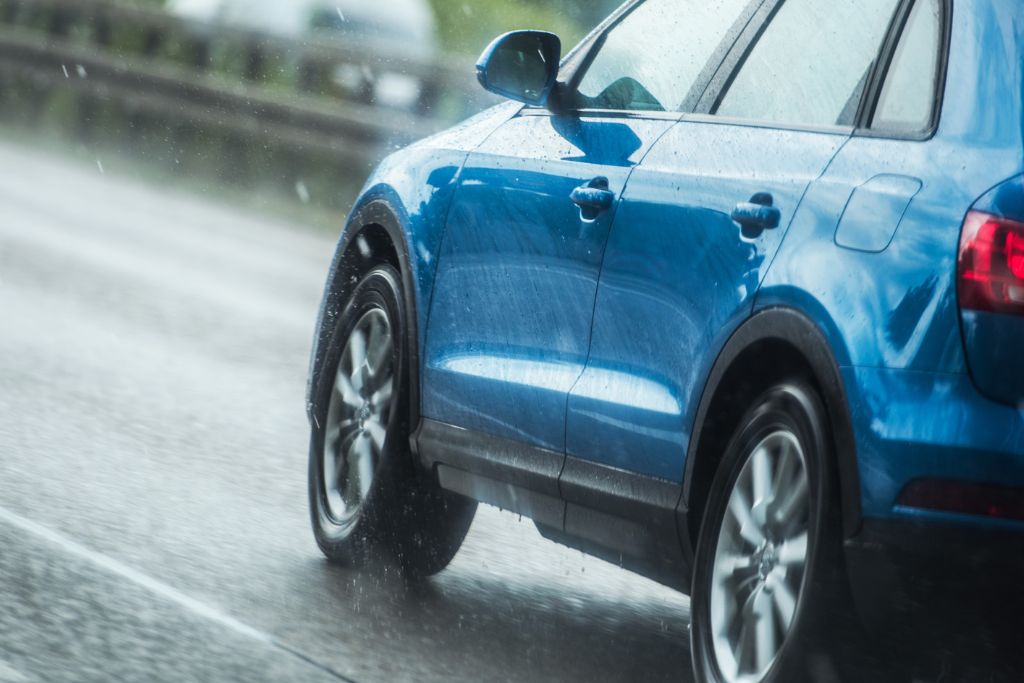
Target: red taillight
x: 966, y: 498
x: 991, y: 264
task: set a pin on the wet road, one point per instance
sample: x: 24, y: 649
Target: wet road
x: 153, y: 520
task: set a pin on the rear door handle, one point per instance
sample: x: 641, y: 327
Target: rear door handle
x: 757, y: 215
x: 594, y: 198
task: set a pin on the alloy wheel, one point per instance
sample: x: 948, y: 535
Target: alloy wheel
x: 760, y: 558
x: 358, y: 415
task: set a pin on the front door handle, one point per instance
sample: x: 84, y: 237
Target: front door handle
x: 594, y: 198
x: 757, y: 215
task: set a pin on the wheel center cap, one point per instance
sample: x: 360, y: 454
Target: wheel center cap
x: 767, y: 559
x: 363, y: 415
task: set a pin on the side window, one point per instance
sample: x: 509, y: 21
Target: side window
x: 651, y: 59
x: 908, y: 95
x: 811, y: 65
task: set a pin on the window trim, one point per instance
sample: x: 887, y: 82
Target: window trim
x: 737, y: 57
x: 884, y: 64
x: 844, y: 131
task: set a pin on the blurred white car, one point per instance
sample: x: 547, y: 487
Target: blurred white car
x: 385, y: 28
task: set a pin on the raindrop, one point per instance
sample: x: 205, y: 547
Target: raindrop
x: 64, y: 68
x: 99, y: 165
x: 302, y: 191
x: 341, y: 15
x: 81, y: 71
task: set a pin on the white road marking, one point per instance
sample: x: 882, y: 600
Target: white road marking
x: 138, y: 578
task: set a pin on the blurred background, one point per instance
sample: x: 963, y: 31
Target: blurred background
x: 283, y: 105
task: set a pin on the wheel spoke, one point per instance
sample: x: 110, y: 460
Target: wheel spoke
x: 381, y: 360
x: 383, y: 395
x: 782, y: 596
x: 794, y: 550
x: 357, y: 357
x: 338, y: 431
x: 730, y: 565
x: 380, y: 346
x: 761, y: 471
x: 740, y: 511
x: 348, y: 394
x: 377, y: 433
x: 746, y: 643
x: 792, y: 505
x: 766, y: 636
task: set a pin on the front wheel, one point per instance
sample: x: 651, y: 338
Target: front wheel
x: 367, y: 500
x: 768, y: 561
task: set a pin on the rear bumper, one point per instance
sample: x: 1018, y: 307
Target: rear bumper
x: 917, y: 425
x: 944, y: 581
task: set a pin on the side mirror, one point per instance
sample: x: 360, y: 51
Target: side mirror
x: 521, y: 65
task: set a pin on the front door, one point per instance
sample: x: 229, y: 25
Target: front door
x: 510, y: 323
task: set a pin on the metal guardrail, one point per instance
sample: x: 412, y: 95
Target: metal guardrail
x: 250, y: 83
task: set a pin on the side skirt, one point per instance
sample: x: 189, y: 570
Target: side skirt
x: 620, y: 516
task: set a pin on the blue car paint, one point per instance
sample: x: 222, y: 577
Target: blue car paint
x: 911, y: 425
x: 510, y: 321
x: 664, y: 306
x: 678, y: 278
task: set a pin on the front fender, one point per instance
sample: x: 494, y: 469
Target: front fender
x: 408, y: 198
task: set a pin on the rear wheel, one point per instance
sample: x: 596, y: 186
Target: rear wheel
x: 367, y: 499
x: 767, y: 581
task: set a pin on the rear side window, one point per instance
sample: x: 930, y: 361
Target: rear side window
x: 652, y: 58
x: 907, y: 102
x: 811, y: 64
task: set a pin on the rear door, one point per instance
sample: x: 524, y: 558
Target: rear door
x: 701, y: 221
x: 509, y: 327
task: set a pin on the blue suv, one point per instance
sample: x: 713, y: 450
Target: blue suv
x: 732, y: 294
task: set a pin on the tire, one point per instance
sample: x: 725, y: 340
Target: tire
x: 753, y: 578
x: 369, y: 504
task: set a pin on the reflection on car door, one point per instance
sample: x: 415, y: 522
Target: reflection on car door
x: 517, y: 274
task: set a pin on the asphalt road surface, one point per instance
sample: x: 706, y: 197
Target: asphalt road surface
x: 153, y: 522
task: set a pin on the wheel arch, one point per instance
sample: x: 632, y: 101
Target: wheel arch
x: 374, y: 235
x: 773, y: 344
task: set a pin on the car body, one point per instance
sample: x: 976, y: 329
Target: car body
x: 600, y: 284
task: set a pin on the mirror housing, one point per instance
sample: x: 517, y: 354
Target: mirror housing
x: 521, y: 65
